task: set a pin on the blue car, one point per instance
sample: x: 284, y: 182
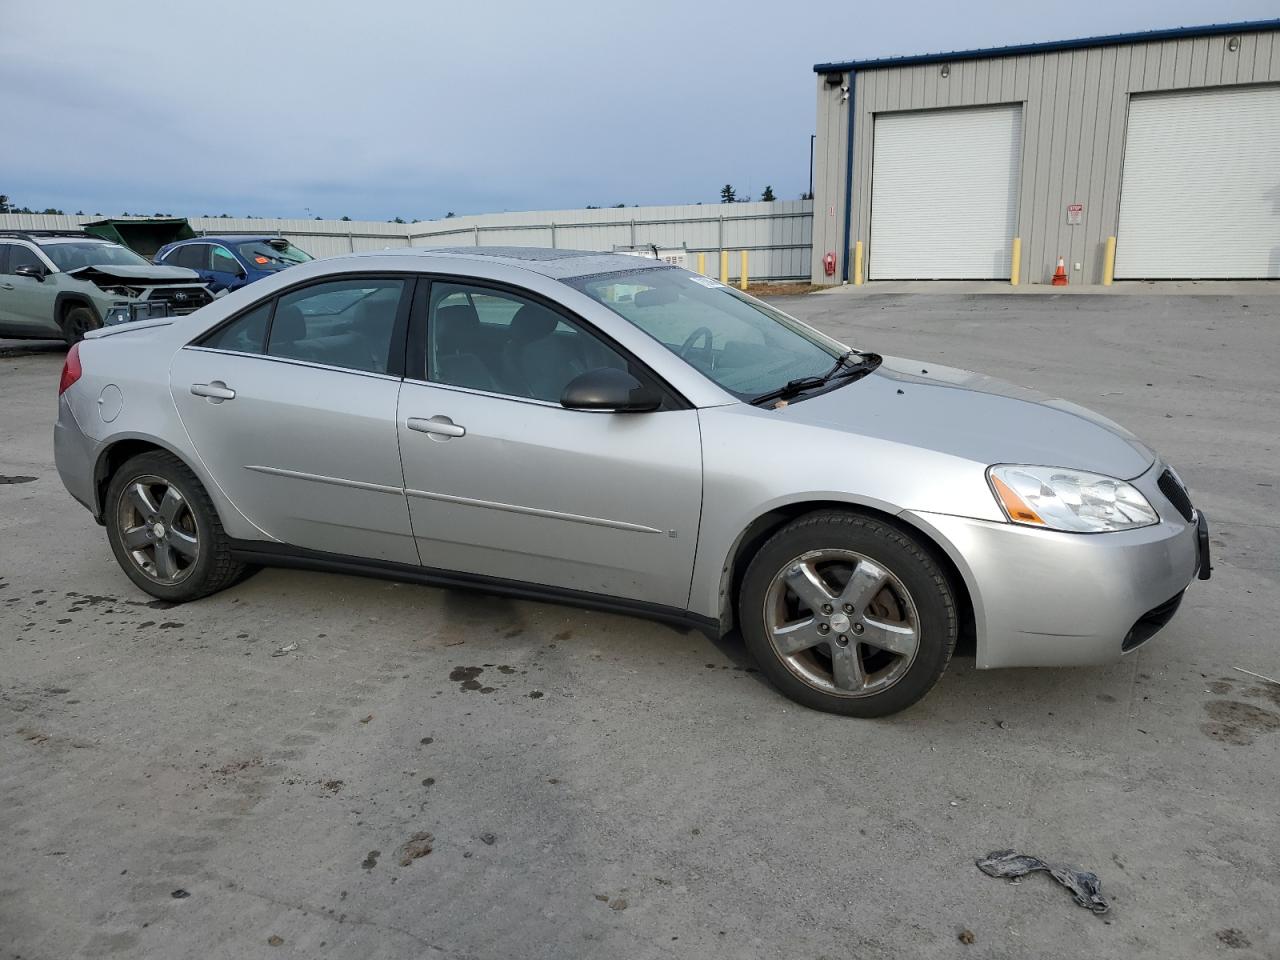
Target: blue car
x: 228, y: 263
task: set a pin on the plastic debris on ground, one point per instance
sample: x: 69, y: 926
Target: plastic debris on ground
x: 1085, y: 887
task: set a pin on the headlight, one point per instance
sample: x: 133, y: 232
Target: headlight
x: 1071, y: 500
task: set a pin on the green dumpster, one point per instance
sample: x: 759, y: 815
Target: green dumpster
x: 144, y: 237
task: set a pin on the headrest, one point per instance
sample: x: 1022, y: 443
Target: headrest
x: 456, y: 327
x: 532, y: 322
x: 289, y: 324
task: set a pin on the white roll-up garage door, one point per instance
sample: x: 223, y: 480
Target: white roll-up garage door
x: 944, y: 193
x: 1200, y: 196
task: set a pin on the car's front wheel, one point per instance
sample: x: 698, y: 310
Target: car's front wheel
x: 76, y: 322
x: 164, y: 530
x: 848, y: 614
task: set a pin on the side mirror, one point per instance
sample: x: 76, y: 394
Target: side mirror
x: 32, y: 270
x: 609, y: 389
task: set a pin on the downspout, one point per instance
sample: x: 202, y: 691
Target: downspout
x: 848, y: 182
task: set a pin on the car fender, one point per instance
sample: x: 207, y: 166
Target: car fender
x: 756, y: 464
x: 235, y: 523
x: 145, y: 411
x: 66, y: 299
x: 781, y: 510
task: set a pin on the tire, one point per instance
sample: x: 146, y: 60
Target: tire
x: 892, y: 624
x: 172, y: 547
x: 76, y: 322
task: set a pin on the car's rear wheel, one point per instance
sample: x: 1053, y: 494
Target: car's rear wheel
x: 848, y: 614
x: 76, y: 322
x: 164, y: 530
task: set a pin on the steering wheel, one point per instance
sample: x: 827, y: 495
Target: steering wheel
x: 687, y: 348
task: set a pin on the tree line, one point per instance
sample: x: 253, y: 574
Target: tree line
x: 728, y: 194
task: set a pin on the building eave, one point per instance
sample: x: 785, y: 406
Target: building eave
x: 1051, y: 46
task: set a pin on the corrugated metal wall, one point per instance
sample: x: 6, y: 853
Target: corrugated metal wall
x: 1075, y: 109
x: 776, y: 235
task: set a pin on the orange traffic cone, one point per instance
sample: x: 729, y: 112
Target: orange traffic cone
x: 1060, y: 275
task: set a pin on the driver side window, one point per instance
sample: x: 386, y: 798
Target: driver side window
x: 224, y: 262
x: 20, y: 256
x: 501, y: 342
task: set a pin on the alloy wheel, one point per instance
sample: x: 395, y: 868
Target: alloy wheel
x: 158, y: 529
x: 841, y: 622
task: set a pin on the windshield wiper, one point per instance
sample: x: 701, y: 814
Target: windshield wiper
x: 793, y: 388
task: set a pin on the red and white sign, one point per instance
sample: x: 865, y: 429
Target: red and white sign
x: 1075, y: 214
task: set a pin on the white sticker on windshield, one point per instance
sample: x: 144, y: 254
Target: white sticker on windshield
x: 706, y: 281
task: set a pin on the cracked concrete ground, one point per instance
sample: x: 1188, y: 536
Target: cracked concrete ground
x: 434, y: 773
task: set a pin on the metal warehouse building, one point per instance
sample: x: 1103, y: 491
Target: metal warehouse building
x: 1154, y: 155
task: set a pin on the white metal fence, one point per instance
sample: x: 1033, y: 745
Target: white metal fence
x: 777, y: 236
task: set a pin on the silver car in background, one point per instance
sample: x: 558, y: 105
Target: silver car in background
x: 625, y: 435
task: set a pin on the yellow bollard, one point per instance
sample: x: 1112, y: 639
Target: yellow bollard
x: 742, y: 280
x: 857, y: 264
x: 702, y: 264
x: 724, y: 266
x: 1109, y: 262
x: 1015, y: 268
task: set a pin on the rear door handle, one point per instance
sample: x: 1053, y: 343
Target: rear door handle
x: 438, y: 427
x: 216, y: 391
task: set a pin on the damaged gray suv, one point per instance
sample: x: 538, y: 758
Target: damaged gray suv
x: 62, y: 284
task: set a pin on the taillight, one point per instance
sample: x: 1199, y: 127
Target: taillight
x: 70, y: 369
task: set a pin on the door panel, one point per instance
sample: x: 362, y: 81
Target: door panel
x: 307, y: 453
x: 29, y: 303
x: 599, y: 502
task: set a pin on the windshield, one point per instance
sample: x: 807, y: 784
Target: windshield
x: 744, y: 345
x: 73, y: 256
x: 272, y: 255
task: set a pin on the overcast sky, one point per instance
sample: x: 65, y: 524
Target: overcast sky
x: 387, y: 108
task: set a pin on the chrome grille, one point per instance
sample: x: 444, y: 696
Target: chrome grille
x: 181, y: 300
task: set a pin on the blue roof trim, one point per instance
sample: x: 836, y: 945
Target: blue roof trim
x: 1145, y: 36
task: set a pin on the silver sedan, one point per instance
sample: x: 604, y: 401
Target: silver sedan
x: 617, y: 433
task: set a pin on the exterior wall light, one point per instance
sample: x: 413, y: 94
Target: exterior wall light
x: 1233, y: 44
x: 945, y: 71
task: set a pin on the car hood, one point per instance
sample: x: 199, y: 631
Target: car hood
x: 976, y: 417
x: 150, y: 275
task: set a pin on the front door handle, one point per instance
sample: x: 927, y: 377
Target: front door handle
x: 6, y: 286
x: 216, y: 391
x: 438, y: 427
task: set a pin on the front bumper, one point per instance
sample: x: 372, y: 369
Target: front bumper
x: 1048, y: 599
x: 133, y: 311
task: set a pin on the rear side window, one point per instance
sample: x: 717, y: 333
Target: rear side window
x: 195, y: 256
x: 342, y: 323
x: 247, y: 333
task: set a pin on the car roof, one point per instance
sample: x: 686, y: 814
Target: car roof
x: 558, y: 264
x: 229, y: 238
x: 49, y: 241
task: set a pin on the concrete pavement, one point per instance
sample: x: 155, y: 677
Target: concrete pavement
x: 614, y: 788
